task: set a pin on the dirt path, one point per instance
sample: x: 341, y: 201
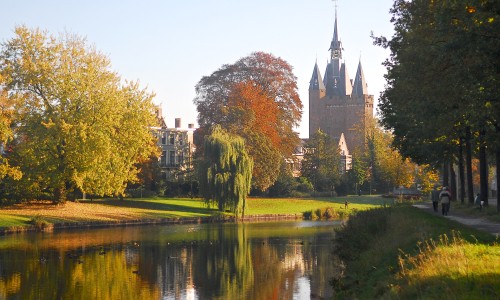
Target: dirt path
x: 478, y: 223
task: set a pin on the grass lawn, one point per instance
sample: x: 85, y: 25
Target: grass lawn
x: 260, y: 206
x: 489, y: 212
x: 405, y: 253
x: 112, y: 210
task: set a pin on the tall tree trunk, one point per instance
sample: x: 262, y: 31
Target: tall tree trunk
x: 60, y: 194
x: 461, y: 170
x: 468, y: 162
x: 453, y: 182
x: 483, y: 169
x: 498, y: 173
x: 446, y: 172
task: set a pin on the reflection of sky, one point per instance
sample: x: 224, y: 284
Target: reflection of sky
x: 302, y: 288
x: 294, y: 259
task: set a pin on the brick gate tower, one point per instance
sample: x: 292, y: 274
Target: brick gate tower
x: 337, y: 105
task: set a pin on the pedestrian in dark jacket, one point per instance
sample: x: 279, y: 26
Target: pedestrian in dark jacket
x: 435, y: 198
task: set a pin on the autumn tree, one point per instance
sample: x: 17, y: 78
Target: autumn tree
x: 6, y: 135
x: 383, y: 167
x: 225, y: 171
x: 78, y: 126
x: 257, y: 99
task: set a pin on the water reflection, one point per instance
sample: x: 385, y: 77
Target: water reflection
x: 284, y: 260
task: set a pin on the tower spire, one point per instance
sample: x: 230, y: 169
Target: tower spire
x: 335, y: 45
x: 360, y: 86
x: 316, y: 83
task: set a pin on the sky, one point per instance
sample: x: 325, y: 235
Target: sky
x: 168, y: 46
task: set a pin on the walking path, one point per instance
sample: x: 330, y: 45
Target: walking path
x: 478, y: 223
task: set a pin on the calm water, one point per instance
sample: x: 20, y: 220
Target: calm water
x: 282, y: 260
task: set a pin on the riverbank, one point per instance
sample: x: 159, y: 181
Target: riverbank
x: 404, y: 252
x: 43, y: 215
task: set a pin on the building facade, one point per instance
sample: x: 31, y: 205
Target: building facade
x: 338, y: 105
x: 177, y: 149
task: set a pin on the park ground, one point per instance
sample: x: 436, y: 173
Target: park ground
x: 34, y: 215
x: 390, y: 248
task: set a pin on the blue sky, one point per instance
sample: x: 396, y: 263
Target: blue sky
x: 169, y: 45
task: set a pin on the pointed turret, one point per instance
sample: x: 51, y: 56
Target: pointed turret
x: 345, y: 81
x: 335, y: 45
x: 360, y: 87
x: 316, y: 83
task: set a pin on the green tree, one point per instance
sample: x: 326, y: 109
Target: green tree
x: 321, y: 163
x: 285, y: 184
x: 6, y: 135
x: 441, y: 80
x: 225, y: 172
x: 78, y: 125
x: 257, y: 99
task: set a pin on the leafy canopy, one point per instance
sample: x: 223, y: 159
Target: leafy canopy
x: 257, y: 99
x: 77, y: 125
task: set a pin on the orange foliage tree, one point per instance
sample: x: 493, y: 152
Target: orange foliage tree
x: 256, y: 98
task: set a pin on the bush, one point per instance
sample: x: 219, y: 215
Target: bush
x: 304, y: 185
x: 39, y: 222
x: 283, y: 187
x: 181, y: 189
x: 327, y: 213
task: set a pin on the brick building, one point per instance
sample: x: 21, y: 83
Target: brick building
x: 337, y: 104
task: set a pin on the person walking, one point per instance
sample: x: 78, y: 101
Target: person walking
x: 435, y: 198
x: 445, y: 198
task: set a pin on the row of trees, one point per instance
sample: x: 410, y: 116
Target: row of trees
x: 441, y: 99
x: 375, y: 167
x: 68, y: 122
x: 256, y: 99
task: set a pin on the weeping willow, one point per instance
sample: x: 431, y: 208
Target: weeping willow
x: 225, y: 172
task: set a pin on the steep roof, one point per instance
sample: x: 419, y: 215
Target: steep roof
x: 345, y: 80
x: 316, y: 82
x: 343, y: 145
x: 360, y: 87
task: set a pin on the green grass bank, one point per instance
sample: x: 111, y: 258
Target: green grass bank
x: 46, y: 216
x: 402, y: 252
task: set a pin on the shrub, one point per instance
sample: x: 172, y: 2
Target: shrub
x: 321, y: 214
x: 283, y: 186
x: 304, y: 185
x: 39, y: 222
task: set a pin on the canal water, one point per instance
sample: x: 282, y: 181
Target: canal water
x: 272, y: 260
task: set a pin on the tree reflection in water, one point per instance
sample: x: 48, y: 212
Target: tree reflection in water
x: 203, y: 261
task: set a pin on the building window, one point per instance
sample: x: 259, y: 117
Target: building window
x: 180, y: 158
x: 172, y: 158
x: 172, y: 139
x: 163, y: 138
x: 163, y: 160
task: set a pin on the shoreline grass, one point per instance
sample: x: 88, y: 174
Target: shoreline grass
x: 30, y: 215
x: 373, y: 244
x: 465, y: 270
